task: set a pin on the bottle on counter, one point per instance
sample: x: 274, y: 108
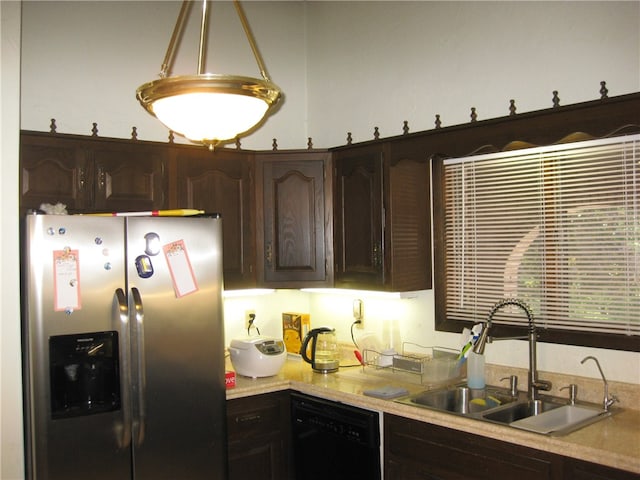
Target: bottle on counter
x: 475, y: 370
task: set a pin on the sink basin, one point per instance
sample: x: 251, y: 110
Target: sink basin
x: 549, y: 415
x: 518, y: 411
x: 560, y: 420
x: 459, y: 399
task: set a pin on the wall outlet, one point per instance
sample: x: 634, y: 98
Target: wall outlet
x: 358, y: 312
x: 248, y: 317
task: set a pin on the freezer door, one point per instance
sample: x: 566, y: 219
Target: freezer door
x: 75, y: 347
x: 175, y: 287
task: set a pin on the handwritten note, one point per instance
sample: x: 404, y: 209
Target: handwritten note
x: 184, y: 280
x: 66, y: 280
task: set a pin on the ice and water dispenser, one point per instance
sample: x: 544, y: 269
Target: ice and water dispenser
x: 84, y: 374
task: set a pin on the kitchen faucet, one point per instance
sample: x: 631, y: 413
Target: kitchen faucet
x: 534, y: 383
x: 608, y: 399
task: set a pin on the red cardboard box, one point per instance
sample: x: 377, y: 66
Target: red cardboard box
x: 230, y: 379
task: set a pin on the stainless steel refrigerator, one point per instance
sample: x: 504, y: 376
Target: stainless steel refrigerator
x: 123, y: 348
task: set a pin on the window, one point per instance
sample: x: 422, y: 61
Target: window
x: 557, y: 227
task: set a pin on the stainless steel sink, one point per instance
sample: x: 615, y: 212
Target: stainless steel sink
x: 517, y: 411
x: 562, y: 420
x: 459, y: 399
x: 548, y: 416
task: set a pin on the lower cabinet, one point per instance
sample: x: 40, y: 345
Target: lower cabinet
x: 580, y: 470
x: 415, y: 450
x: 259, y: 437
x: 259, y: 433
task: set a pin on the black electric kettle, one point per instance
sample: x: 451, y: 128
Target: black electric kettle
x: 325, y: 355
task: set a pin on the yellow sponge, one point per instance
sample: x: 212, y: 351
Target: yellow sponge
x: 489, y: 402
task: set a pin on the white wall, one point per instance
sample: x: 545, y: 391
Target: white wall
x: 343, y: 65
x: 11, y: 446
x: 380, y: 63
x: 412, y: 320
x: 83, y: 61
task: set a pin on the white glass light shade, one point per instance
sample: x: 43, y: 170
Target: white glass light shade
x: 209, y: 108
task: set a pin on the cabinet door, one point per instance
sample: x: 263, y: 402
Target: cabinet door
x: 359, y: 217
x: 222, y: 182
x: 53, y: 170
x: 258, y: 430
x: 580, y: 470
x: 408, y: 222
x: 294, y: 218
x: 417, y: 450
x: 91, y: 174
x: 128, y: 176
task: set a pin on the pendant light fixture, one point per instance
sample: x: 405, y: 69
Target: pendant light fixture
x: 208, y: 108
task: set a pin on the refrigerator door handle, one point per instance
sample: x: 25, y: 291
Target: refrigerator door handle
x: 121, y: 323
x: 142, y: 380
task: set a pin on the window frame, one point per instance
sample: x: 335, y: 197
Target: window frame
x: 550, y: 335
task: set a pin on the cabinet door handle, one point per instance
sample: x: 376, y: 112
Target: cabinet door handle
x: 249, y: 419
x: 101, y: 178
x: 81, y: 179
x: 376, y: 256
x: 120, y: 319
x: 137, y: 315
x: 269, y: 254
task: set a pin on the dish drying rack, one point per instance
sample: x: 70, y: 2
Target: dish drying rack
x: 416, y: 364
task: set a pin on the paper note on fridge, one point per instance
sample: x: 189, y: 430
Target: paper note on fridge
x: 66, y: 280
x: 184, y: 280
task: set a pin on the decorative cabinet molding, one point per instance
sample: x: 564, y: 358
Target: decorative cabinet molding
x: 294, y: 215
x: 221, y: 182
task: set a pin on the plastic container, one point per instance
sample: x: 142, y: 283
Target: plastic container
x: 475, y: 370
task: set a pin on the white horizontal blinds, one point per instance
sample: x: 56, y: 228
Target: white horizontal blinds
x: 558, y: 227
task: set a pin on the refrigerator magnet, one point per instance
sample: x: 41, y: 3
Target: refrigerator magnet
x: 184, y: 280
x: 144, y: 266
x: 152, y: 244
x: 66, y: 280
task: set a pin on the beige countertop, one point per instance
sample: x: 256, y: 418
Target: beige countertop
x: 614, y: 441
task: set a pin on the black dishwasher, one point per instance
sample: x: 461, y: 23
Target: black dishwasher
x: 333, y: 440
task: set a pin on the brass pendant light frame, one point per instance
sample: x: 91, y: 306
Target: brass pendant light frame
x: 169, y: 86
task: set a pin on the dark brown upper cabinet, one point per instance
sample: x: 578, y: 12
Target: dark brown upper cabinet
x: 51, y: 171
x: 221, y: 182
x: 295, y: 217
x: 358, y: 214
x: 382, y: 238
x: 91, y: 175
x: 129, y: 177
